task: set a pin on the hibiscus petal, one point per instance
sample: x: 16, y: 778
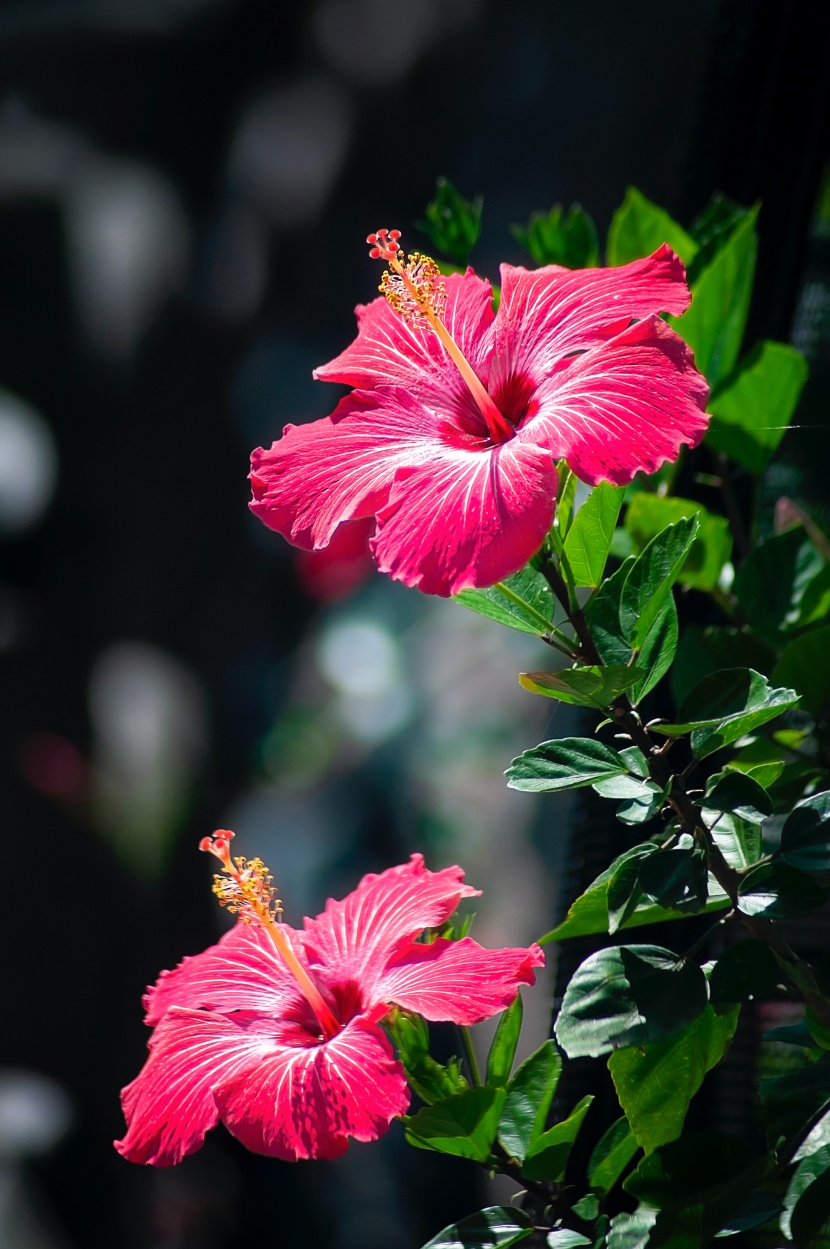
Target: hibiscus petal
x: 354, y: 938
x: 458, y: 981
x: 392, y: 351
x: 546, y: 314
x: 466, y: 517
x: 625, y: 407
x: 241, y: 972
x: 306, y: 1102
x: 170, y: 1105
x: 340, y: 468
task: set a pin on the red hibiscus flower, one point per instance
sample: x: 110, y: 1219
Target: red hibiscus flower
x: 275, y: 1031
x: 459, y: 414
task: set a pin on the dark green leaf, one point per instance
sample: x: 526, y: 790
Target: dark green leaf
x: 739, y: 794
x: 656, y: 1082
x: 497, y: 1227
x: 726, y: 706
x: 793, y: 1103
x: 747, y: 970
x: 774, y: 890
x: 675, y: 879
x: 805, y: 837
x: 464, y: 1125
x: 611, y: 1155
x: 595, y: 687
x: 807, y: 1200
x: 703, y: 651
x: 714, y: 325
x: 805, y: 665
x: 758, y: 1208
x: 719, y: 219
x: 529, y: 1095
x: 692, y: 1169
x: 560, y: 238
x: 587, y: 543
x: 648, y: 514
x: 772, y: 580
x: 452, y: 223
x: 628, y: 995
x: 548, y: 1155
x: 524, y: 602
x: 503, y: 1047
x: 651, y: 577
x: 639, y: 227
x: 589, y: 913
x: 753, y: 407
x: 566, y: 763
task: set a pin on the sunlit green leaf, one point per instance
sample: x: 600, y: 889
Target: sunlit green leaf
x: 464, y: 1125
x: 589, y: 538
x: 774, y: 890
x: 529, y: 1095
x: 565, y: 763
x: 585, y: 687
x: 611, y: 1155
x: 639, y: 227
x: 753, y: 407
x: 714, y: 325
x: 548, y: 1155
x: 805, y: 837
x: 497, y: 1227
x: 524, y: 602
x: 725, y: 706
x: 656, y: 1082
x: 503, y: 1046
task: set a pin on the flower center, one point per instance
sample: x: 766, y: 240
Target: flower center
x: 246, y: 888
x: 415, y: 291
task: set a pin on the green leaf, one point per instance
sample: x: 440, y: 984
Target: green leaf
x: 560, y: 238
x: 738, y: 794
x: 529, y: 1095
x: 745, y: 971
x: 588, y: 915
x: 565, y: 499
x: 648, y: 514
x: 714, y: 325
x: 807, y: 1200
x: 628, y: 995
x: 651, y: 577
x: 656, y: 1082
x: 464, y: 1125
x: 725, y: 706
x: 566, y: 763
x: 774, y: 890
x: 587, y: 543
x: 751, y: 410
x: 595, y: 687
x: 759, y: 1207
x: 496, y: 1227
x: 639, y: 227
x: 805, y: 665
x: 611, y: 1155
x: 772, y: 581
x: 805, y: 837
x: 503, y: 1046
x: 657, y: 1229
x: 452, y: 223
x: 524, y: 602
x: 548, y: 1156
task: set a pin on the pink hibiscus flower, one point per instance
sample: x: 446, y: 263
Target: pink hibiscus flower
x: 275, y: 1031
x: 451, y: 436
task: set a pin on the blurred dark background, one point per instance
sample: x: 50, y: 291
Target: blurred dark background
x: 185, y: 186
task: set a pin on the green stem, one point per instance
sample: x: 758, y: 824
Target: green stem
x: 470, y: 1055
x: 565, y: 569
